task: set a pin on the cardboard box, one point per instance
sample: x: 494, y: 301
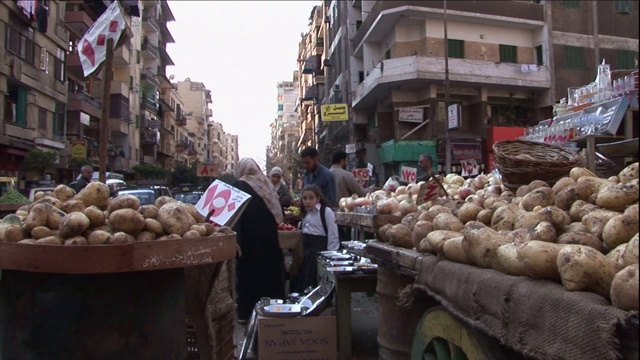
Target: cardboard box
x: 300, y: 338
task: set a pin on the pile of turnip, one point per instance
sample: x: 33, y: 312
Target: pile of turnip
x: 581, y: 232
x: 92, y: 218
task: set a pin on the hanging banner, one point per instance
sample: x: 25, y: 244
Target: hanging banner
x: 335, y: 112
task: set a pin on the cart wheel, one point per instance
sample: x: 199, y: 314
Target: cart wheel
x: 440, y: 336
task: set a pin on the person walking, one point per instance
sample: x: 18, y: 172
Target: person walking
x: 86, y: 173
x: 260, y: 266
x: 319, y: 232
x: 346, y: 185
x: 317, y: 174
x: 281, y: 187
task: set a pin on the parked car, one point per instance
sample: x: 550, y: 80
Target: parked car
x: 147, y: 195
x: 190, y: 197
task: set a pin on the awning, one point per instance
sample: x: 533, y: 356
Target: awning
x: 16, y: 152
x: 310, y: 93
x: 311, y: 65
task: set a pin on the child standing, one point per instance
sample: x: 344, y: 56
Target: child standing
x: 319, y: 232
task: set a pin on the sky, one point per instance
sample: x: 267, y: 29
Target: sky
x: 240, y: 50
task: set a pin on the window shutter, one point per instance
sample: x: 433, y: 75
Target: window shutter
x: 43, y: 60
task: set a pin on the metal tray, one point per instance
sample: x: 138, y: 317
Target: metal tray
x: 341, y: 263
x: 283, y: 310
x: 340, y: 257
x: 367, y: 268
x: 341, y: 270
x: 318, y: 299
x: 330, y: 253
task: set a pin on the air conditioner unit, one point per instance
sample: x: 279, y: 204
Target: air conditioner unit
x: 326, y: 62
x: 336, y: 88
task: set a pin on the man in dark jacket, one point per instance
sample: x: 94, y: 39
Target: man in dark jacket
x: 86, y: 172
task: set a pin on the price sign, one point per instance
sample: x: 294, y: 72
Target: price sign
x: 429, y: 190
x: 408, y: 174
x: 224, y: 202
x: 469, y: 167
x: 362, y: 175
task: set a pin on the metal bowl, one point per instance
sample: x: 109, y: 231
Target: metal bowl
x: 283, y: 310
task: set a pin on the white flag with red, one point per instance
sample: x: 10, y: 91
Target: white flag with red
x: 92, y: 47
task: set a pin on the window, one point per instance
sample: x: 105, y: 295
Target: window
x: 42, y: 119
x: 358, y: 24
x: 59, y: 65
x: 623, y: 6
x: 573, y: 57
x: 539, y: 55
x: 372, y: 122
x: 44, y: 60
x: 137, y: 122
x: 387, y: 54
x: 571, y: 3
x: 455, y: 49
x: 360, y: 76
x: 20, y: 44
x: 15, y: 105
x: 137, y: 56
x: 508, y: 54
x: 280, y: 107
x: 625, y: 59
x: 59, y: 120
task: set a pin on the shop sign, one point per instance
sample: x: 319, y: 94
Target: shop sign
x: 78, y: 149
x: 362, y: 175
x: 469, y: 167
x: 207, y: 170
x: 350, y: 148
x: 461, y: 152
x: 454, y: 116
x: 408, y: 174
x: 335, y: 112
x: 411, y: 115
x: 429, y: 190
x: 85, y: 119
x: 223, y: 202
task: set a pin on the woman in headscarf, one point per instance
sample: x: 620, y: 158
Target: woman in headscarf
x: 260, y: 267
x: 283, y: 190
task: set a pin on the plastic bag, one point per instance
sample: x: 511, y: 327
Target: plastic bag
x: 391, y: 185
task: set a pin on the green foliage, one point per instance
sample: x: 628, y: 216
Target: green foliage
x: 149, y: 171
x: 40, y: 161
x: 13, y: 197
x: 76, y: 163
x: 183, y: 174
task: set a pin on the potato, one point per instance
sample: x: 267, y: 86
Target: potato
x: 562, y: 183
x: 153, y: 226
x: 507, y: 260
x: 538, y: 259
x: 480, y: 245
x: 105, y: 227
x: 437, y: 238
x: 581, y: 238
x: 619, y: 229
x: 99, y: 237
x: 517, y: 236
x: 420, y: 231
x: 46, y: 200
x: 629, y: 173
x: 505, y: 217
x: 579, y: 209
x: 126, y: 220
x: 170, y: 237
x: 40, y: 232
x: 73, y: 224
x: 95, y: 193
x: 54, y: 218
x: 535, y: 184
x: 469, y: 212
x: 175, y: 219
x: 433, y: 212
x: 556, y: 216
x: 542, y: 196
x: 542, y: 231
x: 399, y: 235
x: 485, y: 216
x: 126, y: 201
x: 191, y: 234
x: 76, y: 241
x: 164, y: 200
x: 14, y: 233
x: 210, y: 228
x: 382, y: 232
x: 122, y: 238
x: 472, y: 224
x: 583, y: 268
x: 148, y: 211
x: 573, y: 227
x: 50, y: 240
x: 579, y: 172
x: 625, y: 288
x: 616, y: 197
x: 70, y: 206
x: 191, y: 209
x: 446, y: 221
x: 523, y: 190
x: 37, y: 217
x: 146, y: 236
x: 38, y: 195
x: 596, y: 220
x: 586, y: 186
x: 425, y: 247
x: 27, y: 241
x: 225, y: 230
x: 629, y: 254
x: 410, y: 220
x: 527, y: 220
x: 95, y: 215
x: 64, y: 193
x: 614, y: 179
x: 566, y: 197
x: 200, y: 229
x: 452, y: 250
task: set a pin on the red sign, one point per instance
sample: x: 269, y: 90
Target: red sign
x: 408, y: 174
x: 430, y: 190
x: 362, y: 175
x: 469, y: 167
x: 466, y: 151
x: 207, y: 170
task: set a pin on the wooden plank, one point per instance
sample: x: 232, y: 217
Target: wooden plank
x: 94, y: 259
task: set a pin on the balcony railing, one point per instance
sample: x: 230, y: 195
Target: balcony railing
x: 119, y: 108
x: 149, y: 104
x: 149, y: 76
x: 181, y: 120
x: 150, y: 123
x: 148, y: 48
x: 148, y: 136
x: 150, y: 20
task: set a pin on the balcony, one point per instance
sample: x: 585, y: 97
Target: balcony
x: 149, y: 104
x: 209, y: 113
x: 166, y: 126
x: 120, y: 117
x: 78, y: 21
x: 149, y: 22
x: 147, y: 77
x: 418, y: 71
x: 149, y: 51
x: 181, y: 120
x: 122, y: 55
x: 164, y: 56
x: 73, y: 64
x: 148, y: 137
x: 182, y: 145
x: 121, y: 164
x: 117, y: 88
x: 149, y: 123
x: 83, y: 102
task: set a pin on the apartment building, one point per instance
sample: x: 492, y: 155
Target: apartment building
x: 285, y: 129
x: 232, y: 158
x: 196, y: 99
x: 508, y: 62
x: 33, y: 85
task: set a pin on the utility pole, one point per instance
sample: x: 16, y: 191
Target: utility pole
x: 104, y: 122
x: 447, y: 141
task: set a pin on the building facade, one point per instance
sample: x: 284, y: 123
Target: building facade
x: 285, y: 129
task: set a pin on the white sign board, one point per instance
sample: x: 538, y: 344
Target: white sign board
x: 453, y: 116
x: 350, y: 148
x: 411, y: 114
x: 408, y: 174
x: 469, y: 167
x: 224, y: 202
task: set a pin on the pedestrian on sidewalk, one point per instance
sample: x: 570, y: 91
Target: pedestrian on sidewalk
x: 260, y: 266
x: 346, y: 185
x: 281, y: 187
x: 319, y: 232
x: 317, y: 174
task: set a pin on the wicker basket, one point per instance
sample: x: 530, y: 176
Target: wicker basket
x: 521, y: 162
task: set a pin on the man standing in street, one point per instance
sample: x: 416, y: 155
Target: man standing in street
x: 346, y: 185
x: 425, y: 162
x: 86, y: 172
x: 318, y: 175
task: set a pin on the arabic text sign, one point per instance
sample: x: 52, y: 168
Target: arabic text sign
x: 223, y: 199
x: 411, y: 114
x: 429, y: 190
x: 408, y: 174
x: 207, y: 170
x: 469, y: 167
x: 362, y: 175
x: 335, y: 112
x: 198, y: 256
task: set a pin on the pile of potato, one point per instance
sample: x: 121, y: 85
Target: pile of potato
x: 582, y: 232
x: 92, y: 218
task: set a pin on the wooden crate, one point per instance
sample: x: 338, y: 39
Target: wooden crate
x: 366, y: 221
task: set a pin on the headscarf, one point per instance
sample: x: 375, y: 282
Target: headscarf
x: 276, y: 170
x: 250, y: 172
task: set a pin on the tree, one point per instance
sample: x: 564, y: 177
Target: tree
x: 40, y: 161
x: 150, y: 172
x: 77, y: 163
x: 184, y: 174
